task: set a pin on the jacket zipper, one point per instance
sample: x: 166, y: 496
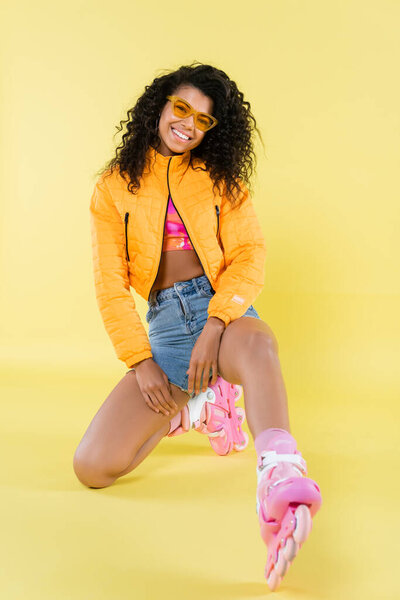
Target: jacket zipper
x: 169, y: 191
x: 126, y: 235
x: 159, y: 261
x: 217, y: 211
x: 163, y: 229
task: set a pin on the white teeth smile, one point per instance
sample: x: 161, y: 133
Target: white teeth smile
x: 181, y: 135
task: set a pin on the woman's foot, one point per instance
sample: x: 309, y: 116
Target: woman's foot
x: 287, y: 501
x: 214, y: 414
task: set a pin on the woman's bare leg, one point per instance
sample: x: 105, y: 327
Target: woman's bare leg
x: 121, y: 434
x: 248, y: 356
x: 144, y: 450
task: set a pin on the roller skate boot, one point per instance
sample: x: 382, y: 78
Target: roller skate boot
x: 286, y: 503
x: 180, y: 423
x: 214, y: 414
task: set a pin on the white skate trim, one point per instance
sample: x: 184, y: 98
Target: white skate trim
x: 196, y: 404
x: 271, y: 459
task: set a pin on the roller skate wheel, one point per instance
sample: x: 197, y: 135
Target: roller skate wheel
x: 274, y: 579
x: 281, y: 564
x: 237, y: 393
x: 287, y: 565
x: 243, y: 445
x: 303, y: 524
x: 214, y: 434
x: 221, y: 450
x: 290, y: 550
x: 240, y: 414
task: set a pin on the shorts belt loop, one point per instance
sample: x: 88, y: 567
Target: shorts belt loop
x: 195, y: 283
x: 153, y: 298
x: 204, y: 280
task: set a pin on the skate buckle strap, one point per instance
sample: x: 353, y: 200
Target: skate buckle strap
x: 272, y: 458
x: 196, y: 404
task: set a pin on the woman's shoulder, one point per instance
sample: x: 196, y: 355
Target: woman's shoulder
x: 112, y: 179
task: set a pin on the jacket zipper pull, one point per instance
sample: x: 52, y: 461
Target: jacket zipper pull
x: 217, y: 211
x: 126, y: 235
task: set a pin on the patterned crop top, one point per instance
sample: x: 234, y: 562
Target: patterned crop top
x: 175, y: 235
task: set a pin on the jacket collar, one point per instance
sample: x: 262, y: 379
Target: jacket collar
x: 177, y: 162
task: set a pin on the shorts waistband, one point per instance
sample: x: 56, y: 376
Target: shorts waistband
x: 187, y: 286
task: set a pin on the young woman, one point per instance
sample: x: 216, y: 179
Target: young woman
x: 172, y: 216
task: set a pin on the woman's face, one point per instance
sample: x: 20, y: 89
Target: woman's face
x: 170, y: 143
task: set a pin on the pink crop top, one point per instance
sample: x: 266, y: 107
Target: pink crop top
x: 175, y: 235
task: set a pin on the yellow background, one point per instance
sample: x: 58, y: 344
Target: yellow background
x: 322, y: 80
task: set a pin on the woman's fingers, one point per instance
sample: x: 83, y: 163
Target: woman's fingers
x: 171, y: 404
x: 214, y: 367
x: 193, y: 377
x: 158, y: 400
x: 155, y: 387
x: 190, y: 379
x: 195, y: 372
x: 199, y: 371
x: 206, y: 376
x: 164, y: 400
x: 150, y: 403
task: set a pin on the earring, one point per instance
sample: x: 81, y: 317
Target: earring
x: 157, y: 122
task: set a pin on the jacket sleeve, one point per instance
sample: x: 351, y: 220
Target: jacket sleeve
x: 245, y: 253
x: 115, y: 301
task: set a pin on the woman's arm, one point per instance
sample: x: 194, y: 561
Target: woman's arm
x: 115, y: 301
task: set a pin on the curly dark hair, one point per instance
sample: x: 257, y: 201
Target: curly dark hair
x: 227, y: 149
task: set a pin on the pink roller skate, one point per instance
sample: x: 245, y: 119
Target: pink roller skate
x: 286, y: 503
x: 213, y: 413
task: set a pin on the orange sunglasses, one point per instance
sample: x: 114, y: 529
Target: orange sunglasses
x: 183, y: 109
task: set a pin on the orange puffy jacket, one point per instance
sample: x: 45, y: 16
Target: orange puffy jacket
x: 127, y: 236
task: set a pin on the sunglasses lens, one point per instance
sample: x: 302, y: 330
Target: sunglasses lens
x: 203, y: 122
x: 181, y: 109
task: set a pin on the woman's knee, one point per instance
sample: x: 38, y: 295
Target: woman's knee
x: 119, y: 431
x: 91, y: 472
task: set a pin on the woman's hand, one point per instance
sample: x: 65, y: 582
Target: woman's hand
x: 205, y: 355
x: 155, y: 387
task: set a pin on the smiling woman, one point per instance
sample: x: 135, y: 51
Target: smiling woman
x: 183, y: 265
x: 184, y: 117
x: 177, y: 193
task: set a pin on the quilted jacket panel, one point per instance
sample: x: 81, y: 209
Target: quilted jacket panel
x: 127, y: 235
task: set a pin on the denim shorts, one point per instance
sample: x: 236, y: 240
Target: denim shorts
x: 176, y: 317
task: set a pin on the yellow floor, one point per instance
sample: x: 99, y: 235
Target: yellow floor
x: 183, y: 525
